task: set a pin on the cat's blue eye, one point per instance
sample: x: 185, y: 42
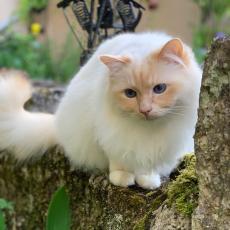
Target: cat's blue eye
x: 130, y: 93
x: 160, y: 88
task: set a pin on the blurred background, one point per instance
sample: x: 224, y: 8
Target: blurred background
x: 34, y: 35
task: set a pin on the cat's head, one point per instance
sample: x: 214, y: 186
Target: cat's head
x: 153, y: 86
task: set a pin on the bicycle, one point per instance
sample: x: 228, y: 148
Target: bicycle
x: 109, y: 19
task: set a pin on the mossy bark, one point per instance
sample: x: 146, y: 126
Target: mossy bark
x: 95, y: 203
x: 212, y: 141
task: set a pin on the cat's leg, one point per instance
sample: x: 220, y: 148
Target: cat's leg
x: 119, y: 176
x: 148, y: 180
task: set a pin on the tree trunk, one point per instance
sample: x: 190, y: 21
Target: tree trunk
x: 212, y: 141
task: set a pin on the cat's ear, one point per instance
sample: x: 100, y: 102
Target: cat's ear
x: 173, y: 52
x: 113, y: 62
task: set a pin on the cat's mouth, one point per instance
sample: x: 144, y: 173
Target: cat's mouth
x: 152, y: 115
x: 140, y: 116
x: 149, y: 117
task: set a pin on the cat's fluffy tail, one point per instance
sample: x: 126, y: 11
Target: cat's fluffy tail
x: 22, y: 132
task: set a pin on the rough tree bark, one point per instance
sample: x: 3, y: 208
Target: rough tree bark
x: 212, y: 141
x: 96, y: 204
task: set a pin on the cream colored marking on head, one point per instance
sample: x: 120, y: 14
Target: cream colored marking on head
x: 173, y: 51
x: 173, y: 46
x: 145, y: 75
x: 114, y: 62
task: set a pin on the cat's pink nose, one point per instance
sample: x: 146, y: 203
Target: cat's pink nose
x: 145, y: 111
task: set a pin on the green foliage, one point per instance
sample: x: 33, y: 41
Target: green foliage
x: 2, y: 221
x: 26, y: 6
x: 202, y: 39
x: 183, y: 192
x: 4, y: 205
x: 217, y: 7
x: 214, y: 18
x: 24, y: 52
x: 59, y: 211
x: 67, y: 63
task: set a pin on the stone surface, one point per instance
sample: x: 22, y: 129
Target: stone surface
x: 169, y: 219
x: 46, y: 96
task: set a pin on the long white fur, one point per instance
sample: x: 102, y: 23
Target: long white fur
x: 91, y: 130
x: 22, y: 132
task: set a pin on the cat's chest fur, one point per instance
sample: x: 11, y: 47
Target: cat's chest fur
x: 139, y: 143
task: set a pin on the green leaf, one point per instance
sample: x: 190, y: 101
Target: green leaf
x: 2, y: 221
x: 59, y: 211
x: 5, y: 205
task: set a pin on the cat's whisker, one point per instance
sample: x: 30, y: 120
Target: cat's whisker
x: 179, y: 109
x: 183, y: 106
x: 176, y: 112
x: 176, y: 115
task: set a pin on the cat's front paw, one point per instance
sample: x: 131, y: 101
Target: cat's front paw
x: 148, y: 181
x: 122, y: 178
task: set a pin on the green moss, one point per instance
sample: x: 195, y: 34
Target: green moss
x: 158, y: 201
x: 140, y: 225
x: 183, y: 192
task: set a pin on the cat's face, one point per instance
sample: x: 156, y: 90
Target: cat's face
x: 152, y: 87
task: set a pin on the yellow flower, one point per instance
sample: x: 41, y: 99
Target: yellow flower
x: 35, y: 28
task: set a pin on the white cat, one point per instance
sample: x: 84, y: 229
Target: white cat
x: 132, y: 108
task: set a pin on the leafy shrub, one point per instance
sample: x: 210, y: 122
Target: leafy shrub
x: 24, y: 52
x: 4, y: 205
x: 66, y: 64
x: 215, y: 17
x: 26, y: 6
